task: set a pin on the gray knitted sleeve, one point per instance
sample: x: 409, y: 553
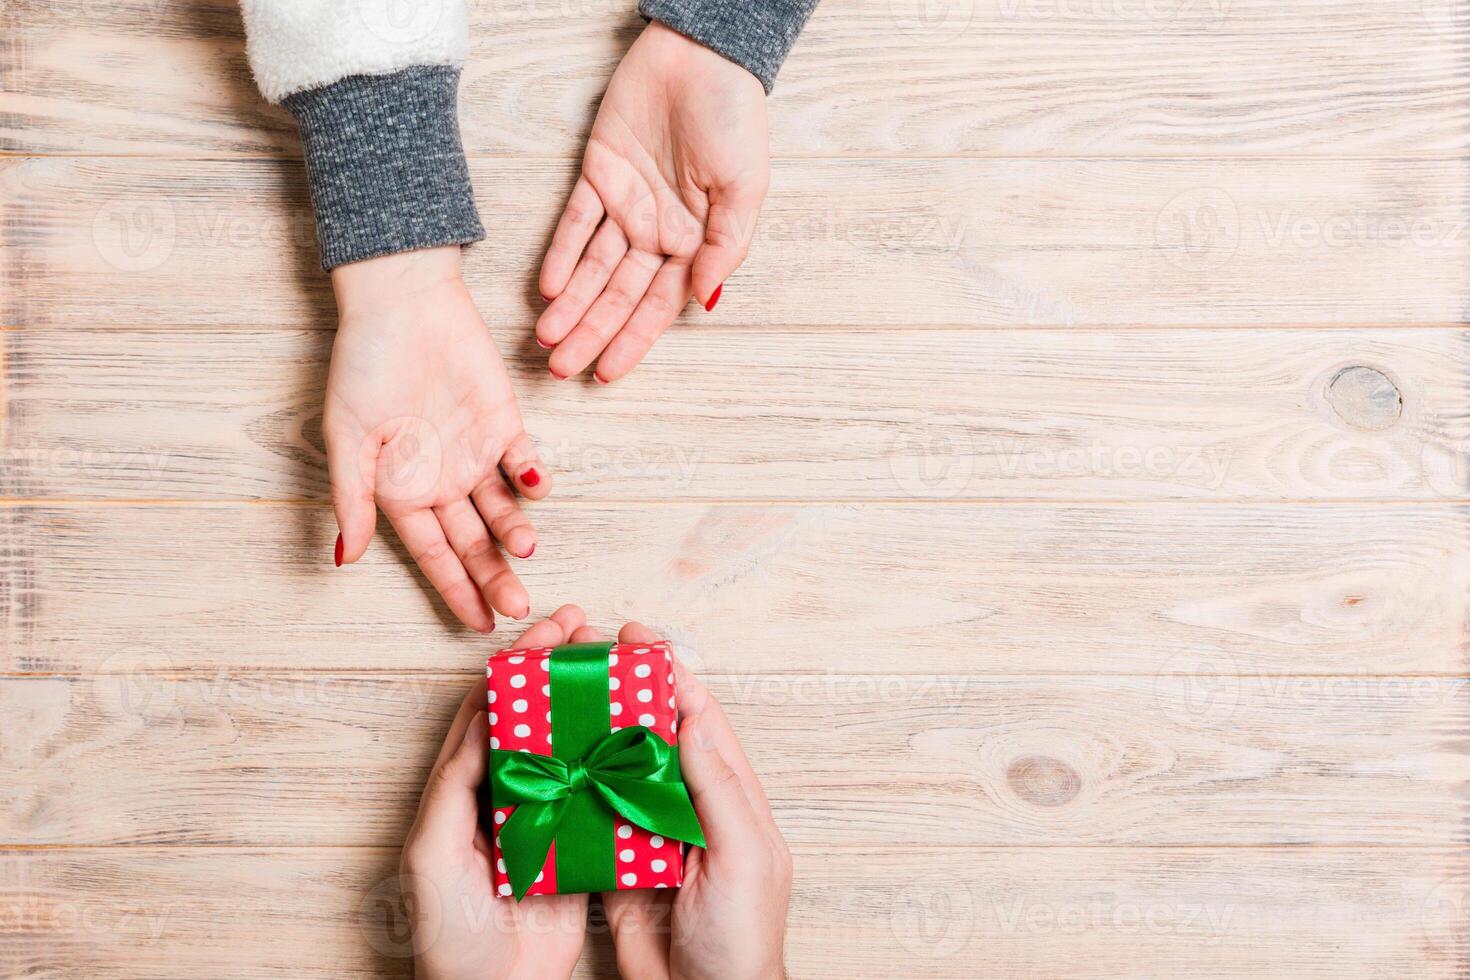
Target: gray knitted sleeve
x: 756, y: 34
x: 385, y: 164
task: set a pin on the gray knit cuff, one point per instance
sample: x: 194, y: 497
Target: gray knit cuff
x: 756, y: 34
x: 385, y: 164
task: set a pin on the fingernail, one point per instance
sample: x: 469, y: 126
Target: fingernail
x: 600, y: 379
x: 545, y: 298
x: 530, y: 553
x: 530, y: 478
x: 337, y: 557
x: 714, y: 298
x: 558, y: 377
x: 544, y: 346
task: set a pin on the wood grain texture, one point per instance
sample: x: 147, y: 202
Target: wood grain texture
x: 1009, y: 77
x: 1313, y: 914
x: 881, y: 758
x: 841, y: 243
x: 929, y: 415
x: 1228, y: 590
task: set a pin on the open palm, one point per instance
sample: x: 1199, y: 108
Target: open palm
x: 421, y: 420
x: 675, y: 172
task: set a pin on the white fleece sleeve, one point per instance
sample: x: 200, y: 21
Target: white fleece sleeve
x: 296, y: 45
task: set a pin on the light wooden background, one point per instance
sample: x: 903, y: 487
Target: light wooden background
x: 1069, y: 499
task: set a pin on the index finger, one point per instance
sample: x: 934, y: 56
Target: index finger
x: 695, y: 700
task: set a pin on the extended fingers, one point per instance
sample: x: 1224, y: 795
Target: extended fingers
x: 608, y: 313
x: 481, y: 557
x: 578, y: 221
x: 425, y: 540
x: 503, y: 515
x: 596, y: 267
x: 656, y: 312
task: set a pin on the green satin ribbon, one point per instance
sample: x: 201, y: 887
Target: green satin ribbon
x: 570, y: 797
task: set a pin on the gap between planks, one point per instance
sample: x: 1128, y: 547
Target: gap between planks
x: 835, y: 846
x: 182, y: 674
x: 624, y: 503
x: 1441, y: 155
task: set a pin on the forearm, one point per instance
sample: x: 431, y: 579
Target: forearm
x: 375, y: 95
x: 756, y: 34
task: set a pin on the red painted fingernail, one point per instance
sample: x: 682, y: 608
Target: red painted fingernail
x: 714, y: 298
x: 600, y: 379
x: 530, y: 478
x: 544, y: 346
x: 555, y: 375
x: 545, y: 298
x: 338, y: 556
x: 530, y: 553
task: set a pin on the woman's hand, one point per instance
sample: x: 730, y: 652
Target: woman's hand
x: 728, y: 921
x: 420, y: 418
x: 678, y: 164
x: 460, y: 928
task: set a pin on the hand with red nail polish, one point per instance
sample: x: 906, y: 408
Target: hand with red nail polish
x: 674, y: 176
x: 420, y: 421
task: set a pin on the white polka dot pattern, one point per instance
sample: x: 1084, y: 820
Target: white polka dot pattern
x: 643, y: 860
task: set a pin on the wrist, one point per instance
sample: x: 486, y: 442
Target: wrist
x: 373, y: 283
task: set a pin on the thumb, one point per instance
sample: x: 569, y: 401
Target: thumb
x: 729, y: 228
x: 725, y: 814
x: 352, y: 465
x: 449, y: 812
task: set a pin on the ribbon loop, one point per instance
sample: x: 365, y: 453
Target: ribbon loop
x: 633, y: 772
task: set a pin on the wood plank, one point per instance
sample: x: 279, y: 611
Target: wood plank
x: 790, y: 415
x: 1314, y: 914
x: 1011, y: 77
x: 885, y: 758
x: 1261, y: 591
x: 841, y: 243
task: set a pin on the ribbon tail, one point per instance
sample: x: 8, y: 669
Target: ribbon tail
x: 525, y: 840
x: 661, y: 807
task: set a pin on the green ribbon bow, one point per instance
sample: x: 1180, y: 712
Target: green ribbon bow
x: 570, y: 797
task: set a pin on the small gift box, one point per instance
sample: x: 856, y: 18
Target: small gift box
x: 585, y: 788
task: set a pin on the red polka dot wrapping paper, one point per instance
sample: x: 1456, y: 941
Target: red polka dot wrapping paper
x: 641, y: 692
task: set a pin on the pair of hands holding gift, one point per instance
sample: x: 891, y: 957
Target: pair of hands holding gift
x: 420, y: 418
x: 727, y: 921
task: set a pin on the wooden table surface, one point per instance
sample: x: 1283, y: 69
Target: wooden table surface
x: 1068, y: 499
